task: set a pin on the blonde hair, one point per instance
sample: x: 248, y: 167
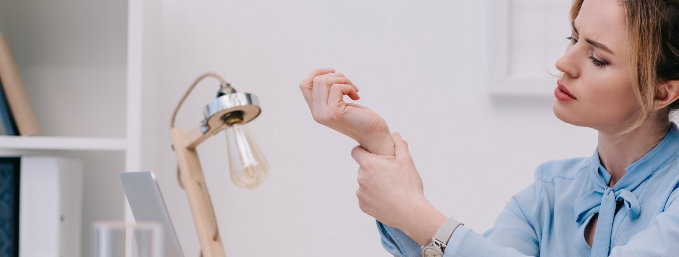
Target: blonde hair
x: 653, y: 47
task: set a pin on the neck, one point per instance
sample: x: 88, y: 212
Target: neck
x: 617, y: 153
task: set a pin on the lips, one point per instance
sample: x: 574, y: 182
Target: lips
x: 562, y: 93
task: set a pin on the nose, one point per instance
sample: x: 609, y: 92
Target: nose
x: 567, y: 62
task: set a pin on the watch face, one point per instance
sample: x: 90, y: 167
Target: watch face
x: 431, y: 251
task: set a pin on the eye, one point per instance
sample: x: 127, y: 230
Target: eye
x: 573, y: 40
x: 598, y: 63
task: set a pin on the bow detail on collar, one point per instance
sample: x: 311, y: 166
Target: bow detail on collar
x: 590, y: 203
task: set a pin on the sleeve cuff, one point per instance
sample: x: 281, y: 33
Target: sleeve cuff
x: 456, y: 241
x: 398, y: 243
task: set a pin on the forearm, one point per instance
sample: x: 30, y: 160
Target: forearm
x: 463, y: 243
x: 423, y: 223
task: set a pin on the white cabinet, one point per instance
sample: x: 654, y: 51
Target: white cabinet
x: 51, y: 209
x: 82, y: 63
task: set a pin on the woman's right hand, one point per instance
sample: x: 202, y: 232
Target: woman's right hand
x: 324, y: 92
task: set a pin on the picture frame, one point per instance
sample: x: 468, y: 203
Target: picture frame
x: 525, y: 38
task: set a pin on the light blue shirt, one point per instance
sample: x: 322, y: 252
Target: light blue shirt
x: 549, y: 217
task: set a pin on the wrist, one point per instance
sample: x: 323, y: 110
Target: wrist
x: 380, y: 143
x: 424, y: 224
x: 439, y: 242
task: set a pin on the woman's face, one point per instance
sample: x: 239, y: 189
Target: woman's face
x: 595, y: 87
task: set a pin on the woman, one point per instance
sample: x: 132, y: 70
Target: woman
x: 620, y: 76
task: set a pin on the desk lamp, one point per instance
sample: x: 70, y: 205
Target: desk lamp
x: 231, y: 111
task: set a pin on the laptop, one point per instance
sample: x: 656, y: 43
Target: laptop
x: 147, y: 204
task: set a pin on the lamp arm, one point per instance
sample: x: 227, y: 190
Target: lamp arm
x: 192, y: 180
x: 222, y: 81
x: 190, y: 176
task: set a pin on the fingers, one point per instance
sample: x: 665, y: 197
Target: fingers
x: 363, y: 157
x: 400, y: 146
x: 360, y: 155
x: 321, y: 79
x: 361, y: 177
x: 362, y: 192
x: 321, y: 92
x: 337, y: 92
x: 307, y: 83
x: 368, y: 161
x: 322, y: 84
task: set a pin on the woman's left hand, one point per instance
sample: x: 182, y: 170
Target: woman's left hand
x: 391, y: 190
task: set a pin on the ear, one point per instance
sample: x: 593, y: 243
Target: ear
x: 665, y: 94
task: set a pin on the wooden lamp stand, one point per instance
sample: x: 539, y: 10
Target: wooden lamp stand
x: 190, y: 173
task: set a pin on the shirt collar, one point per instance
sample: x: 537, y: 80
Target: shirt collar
x: 643, y: 168
x: 624, y: 190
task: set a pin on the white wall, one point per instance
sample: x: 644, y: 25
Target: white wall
x: 421, y: 64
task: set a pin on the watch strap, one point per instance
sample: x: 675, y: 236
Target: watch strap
x: 446, y: 231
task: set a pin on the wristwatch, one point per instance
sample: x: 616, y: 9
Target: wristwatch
x: 438, y: 243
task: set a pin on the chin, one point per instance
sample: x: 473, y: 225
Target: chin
x: 567, y: 115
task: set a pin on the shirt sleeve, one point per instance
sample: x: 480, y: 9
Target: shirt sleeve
x: 398, y: 243
x: 661, y: 236
x: 512, y: 235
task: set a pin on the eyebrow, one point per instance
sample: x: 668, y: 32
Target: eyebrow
x: 592, y: 42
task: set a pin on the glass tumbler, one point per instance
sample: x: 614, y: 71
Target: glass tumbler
x: 120, y: 239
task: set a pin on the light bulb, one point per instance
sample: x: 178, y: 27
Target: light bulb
x: 247, y: 165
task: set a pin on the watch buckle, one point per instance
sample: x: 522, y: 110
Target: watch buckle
x: 438, y: 243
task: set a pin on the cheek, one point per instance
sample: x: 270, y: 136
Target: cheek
x: 604, y: 99
x: 614, y: 100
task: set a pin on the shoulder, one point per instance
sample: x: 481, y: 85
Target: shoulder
x: 547, y: 173
x: 665, y: 184
x: 672, y: 194
x: 567, y: 169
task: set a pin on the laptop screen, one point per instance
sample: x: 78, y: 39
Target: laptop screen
x: 147, y: 204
